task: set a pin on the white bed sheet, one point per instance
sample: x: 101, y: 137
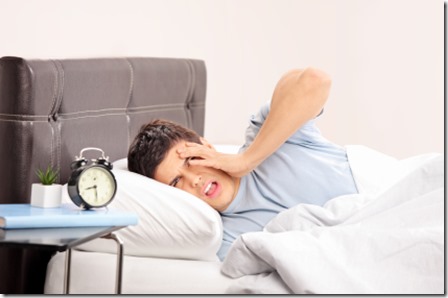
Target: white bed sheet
x: 94, y: 273
x: 389, y: 239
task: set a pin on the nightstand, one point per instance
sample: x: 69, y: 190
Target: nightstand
x: 64, y: 239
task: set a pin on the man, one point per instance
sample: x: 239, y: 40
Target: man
x: 284, y: 161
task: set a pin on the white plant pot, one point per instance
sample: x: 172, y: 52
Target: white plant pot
x: 46, y: 196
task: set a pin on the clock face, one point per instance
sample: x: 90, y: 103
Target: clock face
x: 96, y: 186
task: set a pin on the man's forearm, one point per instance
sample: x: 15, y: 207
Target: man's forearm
x: 298, y: 97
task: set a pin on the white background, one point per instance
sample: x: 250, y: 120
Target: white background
x: 386, y: 57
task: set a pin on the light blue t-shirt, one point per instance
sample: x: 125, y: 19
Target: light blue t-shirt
x: 307, y: 168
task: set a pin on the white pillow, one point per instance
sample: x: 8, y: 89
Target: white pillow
x: 172, y: 223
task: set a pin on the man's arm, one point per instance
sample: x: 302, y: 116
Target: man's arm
x: 298, y: 97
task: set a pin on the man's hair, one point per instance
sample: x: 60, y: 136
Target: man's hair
x: 153, y: 142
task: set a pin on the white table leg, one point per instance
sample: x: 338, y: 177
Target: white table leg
x: 119, y: 260
x: 68, y: 261
x: 119, y: 270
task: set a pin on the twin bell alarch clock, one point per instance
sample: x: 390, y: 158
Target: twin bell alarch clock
x: 92, y: 183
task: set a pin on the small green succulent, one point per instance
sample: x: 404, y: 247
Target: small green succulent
x: 48, y: 177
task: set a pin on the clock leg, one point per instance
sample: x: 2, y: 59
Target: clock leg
x: 119, y: 260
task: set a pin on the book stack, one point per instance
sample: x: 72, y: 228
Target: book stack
x: 25, y: 216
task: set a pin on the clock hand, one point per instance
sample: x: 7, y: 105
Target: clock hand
x: 94, y: 186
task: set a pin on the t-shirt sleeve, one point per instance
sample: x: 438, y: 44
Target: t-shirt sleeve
x: 304, y: 135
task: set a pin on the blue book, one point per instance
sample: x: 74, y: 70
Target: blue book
x: 24, y: 216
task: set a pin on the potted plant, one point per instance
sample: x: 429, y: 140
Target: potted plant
x: 46, y: 194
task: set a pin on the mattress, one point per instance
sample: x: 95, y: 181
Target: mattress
x: 94, y: 273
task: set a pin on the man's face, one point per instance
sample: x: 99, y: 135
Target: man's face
x: 215, y: 187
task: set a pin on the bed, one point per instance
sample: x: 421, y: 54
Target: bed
x: 386, y: 239
x: 51, y: 109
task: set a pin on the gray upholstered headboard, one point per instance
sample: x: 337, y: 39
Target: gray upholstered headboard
x: 51, y: 109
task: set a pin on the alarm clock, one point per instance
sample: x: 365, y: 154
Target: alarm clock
x: 91, y: 184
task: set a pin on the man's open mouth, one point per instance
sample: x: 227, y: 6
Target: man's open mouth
x: 210, y: 188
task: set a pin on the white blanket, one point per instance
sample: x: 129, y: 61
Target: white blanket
x: 389, y: 239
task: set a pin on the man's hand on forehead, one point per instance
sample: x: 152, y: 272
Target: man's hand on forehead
x: 204, y: 155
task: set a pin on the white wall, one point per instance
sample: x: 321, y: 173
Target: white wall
x: 386, y: 57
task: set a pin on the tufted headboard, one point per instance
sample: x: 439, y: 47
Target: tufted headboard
x: 51, y: 109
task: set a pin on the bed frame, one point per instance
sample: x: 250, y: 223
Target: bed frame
x: 51, y: 109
